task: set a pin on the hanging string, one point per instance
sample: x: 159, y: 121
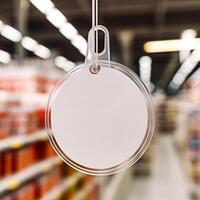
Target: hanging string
x: 94, y: 24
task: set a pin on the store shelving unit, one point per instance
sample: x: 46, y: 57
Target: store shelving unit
x: 16, y: 142
x: 60, y: 189
x: 15, y: 181
x: 29, y: 97
x: 118, y: 186
x: 29, y: 168
x: 85, y: 191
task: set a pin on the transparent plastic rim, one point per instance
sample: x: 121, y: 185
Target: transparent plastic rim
x: 145, y: 143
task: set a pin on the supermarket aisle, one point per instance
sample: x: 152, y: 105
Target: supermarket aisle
x: 167, y: 180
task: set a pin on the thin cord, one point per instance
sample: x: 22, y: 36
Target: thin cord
x: 95, y: 23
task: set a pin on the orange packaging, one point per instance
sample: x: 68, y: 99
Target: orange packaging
x: 36, y: 189
x: 31, y: 192
x: 1, y: 166
x: 43, y: 185
x: 32, y: 156
x: 32, y: 121
x: 24, y: 120
x: 49, y: 150
x: 40, y: 153
x: 87, y: 179
x: 25, y: 193
x: 41, y: 117
x: 50, y: 83
x: 40, y: 83
x: 7, y: 163
x: 93, y: 195
x: 21, y: 159
x: 19, y: 121
x: 5, y: 123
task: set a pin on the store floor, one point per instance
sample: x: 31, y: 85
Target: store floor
x: 167, y: 181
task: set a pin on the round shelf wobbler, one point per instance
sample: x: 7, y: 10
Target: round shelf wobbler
x: 100, y: 117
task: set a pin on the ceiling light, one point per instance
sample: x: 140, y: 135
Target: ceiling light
x: 4, y: 57
x: 11, y: 33
x: 44, y: 6
x: 63, y: 63
x: 145, y: 68
x: 1, y: 25
x: 186, y: 36
x: 80, y: 43
x: 56, y: 18
x: 69, y: 31
x: 170, y: 45
x: 145, y: 61
x: 190, y: 62
x: 185, y: 69
x: 188, y: 33
x: 42, y: 52
x: 29, y: 43
x: 179, y: 78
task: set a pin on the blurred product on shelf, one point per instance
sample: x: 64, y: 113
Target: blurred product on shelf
x: 29, y: 167
x: 166, y: 115
x: 12, y: 161
x: 5, y: 123
x: 143, y: 167
x: 188, y: 134
x: 29, y: 78
x: 192, y: 150
x: 20, y: 120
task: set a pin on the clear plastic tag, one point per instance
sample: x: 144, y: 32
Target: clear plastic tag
x: 100, y: 117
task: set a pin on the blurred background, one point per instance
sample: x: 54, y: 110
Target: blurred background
x: 42, y: 39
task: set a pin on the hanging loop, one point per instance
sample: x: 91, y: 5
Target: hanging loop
x: 92, y: 56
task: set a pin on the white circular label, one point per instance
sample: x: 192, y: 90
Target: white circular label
x: 99, y: 120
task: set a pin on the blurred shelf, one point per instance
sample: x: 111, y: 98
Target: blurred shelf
x: 27, y: 97
x: 60, y: 189
x: 16, y: 180
x: 185, y: 163
x: 17, y: 142
x: 85, y: 191
x: 118, y: 186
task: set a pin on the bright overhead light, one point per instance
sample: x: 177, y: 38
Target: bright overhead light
x: 145, y: 61
x: 29, y: 43
x: 186, y: 36
x: 42, y: 52
x: 69, y: 31
x: 56, y: 18
x: 80, y: 43
x: 170, y: 45
x: 63, y: 63
x: 4, y: 57
x: 179, y: 78
x: 145, y: 68
x: 11, y: 33
x: 1, y: 25
x: 38, y: 49
x: 44, y: 6
x: 185, y: 69
x: 190, y: 62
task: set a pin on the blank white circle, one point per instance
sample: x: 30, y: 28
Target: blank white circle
x: 99, y: 120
